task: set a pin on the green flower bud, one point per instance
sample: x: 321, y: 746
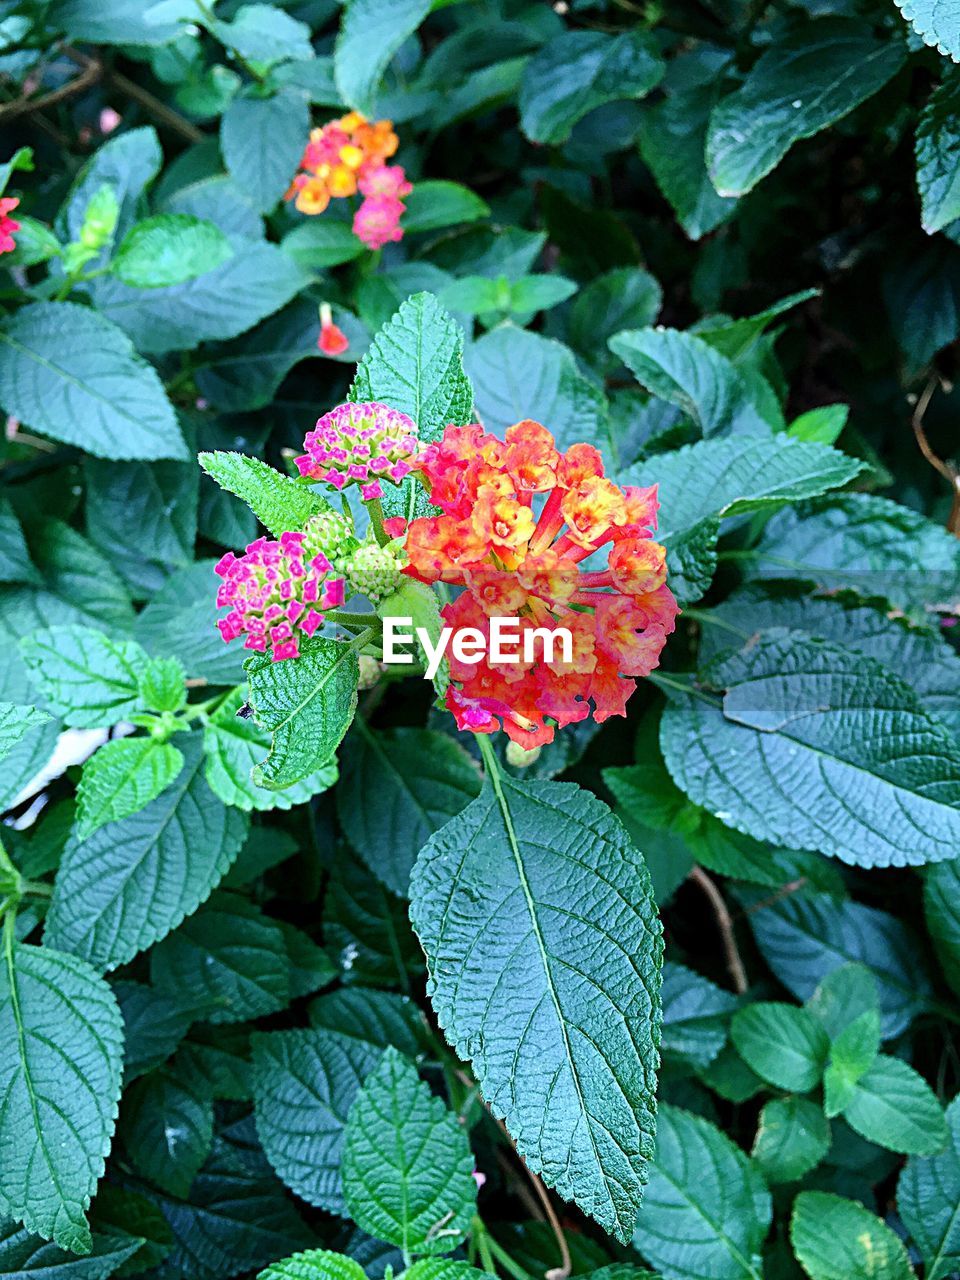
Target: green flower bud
x: 332, y: 534
x: 373, y: 571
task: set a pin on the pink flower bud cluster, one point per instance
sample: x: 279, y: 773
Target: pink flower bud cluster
x: 277, y: 592
x: 360, y: 444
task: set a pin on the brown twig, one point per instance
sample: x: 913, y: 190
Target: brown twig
x: 784, y: 891
x: 130, y: 89
x: 724, y: 921
x: 945, y: 469
x: 92, y: 71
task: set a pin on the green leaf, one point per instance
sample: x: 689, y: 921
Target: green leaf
x: 71, y: 374
x: 407, y: 1163
x: 894, y: 1106
x: 515, y: 984
x: 704, y: 483
x: 86, y: 678
x: 278, y: 502
x: 807, y: 936
x: 371, y: 32
x: 837, y: 1239
x: 435, y: 204
x: 153, y: 1026
x: 823, y: 425
x: 128, y: 1218
x: 815, y: 747
x: 938, y: 152
x: 166, y: 1125
x: 793, y: 1136
x: 871, y: 544
x: 517, y: 374
x: 182, y: 619
x: 262, y: 140
x: 420, y: 778
x: 627, y: 297
x: 382, y: 1018
x: 783, y: 1044
x: 415, y: 364
x: 230, y: 956
x: 696, y: 1015
x: 706, y: 1210
x: 315, y: 1264
x: 23, y: 1255
x: 161, y: 685
x: 686, y: 371
x: 304, y: 1085
x: 16, y: 722
x: 135, y: 880
x: 323, y: 242
x: 367, y: 928
x: 264, y: 33
x: 60, y: 1090
x: 578, y: 71
x: 852, y: 1054
x: 843, y: 997
x: 307, y: 704
x: 233, y: 748
x: 169, y: 249
x: 936, y: 24
x: 15, y: 563
x: 928, y: 1201
x: 122, y: 778
x: 941, y: 905
x: 813, y: 76
x: 539, y: 293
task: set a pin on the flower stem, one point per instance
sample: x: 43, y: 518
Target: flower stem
x: 375, y: 508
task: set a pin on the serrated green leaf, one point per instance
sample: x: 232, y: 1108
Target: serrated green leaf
x: 574, y: 1084
x: 381, y: 1018
x: 122, y: 778
x: 161, y: 685
x: 704, y: 483
x: 422, y: 1205
x: 168, y: 249
x: 24, y: 1255
x: 928, y: 1201
x: 314, y: 1264
x: 278, y: 501
x: 941, y: 906
x: 230, y: 956
x: 135, y: 880
x: 792, y: 1138
x: 153, y: 1025
x: 371, y: 32
x: 60, y: 1093
x: 265, y: 34
x: 15, y: 723
x: 577, y: 71
x: 304, y: 1085
x: 421, y: 780
x: 88, y: 679
x: 938, y: 154
x: 696, y: 1015
x: 815, y: 747
x: 781, y: 1043
x: 234, y: 746
x: 166, y: 1125
x: 813, y: 76
x: 262, y: 139
x: 837, y: 1239
x: 893, y: 1105
x: 307, y: 704
x: 627, y: 297
x: 936, y: 23
x: 706, y: 1209
x: 71, y: 374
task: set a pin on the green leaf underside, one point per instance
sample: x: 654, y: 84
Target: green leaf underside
x: 522, y: 982
x: 61, y: 1052
x: 307, y: 705
x: 407, y: 1164
x: 815, y: 747
x: 135, y: 880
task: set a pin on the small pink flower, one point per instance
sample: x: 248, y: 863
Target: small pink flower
x: 109, y: 120
x: 359, y: 444
x: 7, y: 224
x: 384, y: 180
x: 377, y: 221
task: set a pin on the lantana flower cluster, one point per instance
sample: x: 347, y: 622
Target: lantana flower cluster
x: 519, y: 518
x: 277, y: 593
x: 7, y: 224
x: 348, y: 156
x: 360, y: 444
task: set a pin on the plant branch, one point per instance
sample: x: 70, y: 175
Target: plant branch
x: 92, y: 71
x: 945, y: 469
x: 724, y: 921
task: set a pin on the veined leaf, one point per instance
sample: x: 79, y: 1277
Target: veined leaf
x: 121, y: 778
x: 60, y: 1090
x: 928, y: 1201
x: 894, y: 1106
x: 166, y: 1125
x: 16, y: 721
x: 169, y: 249
x: 938, y: 151
x: 314, y: 1264
x: 815, y: 747
x: 937, y: 24
x: 135, y: 880
x: 421, y: 1202
x: 837, y: 1239
x: 371, y: 32
x: 262, y: 139
x: 306, y: 704
x: 513, y: 902
x: 696, y: 1015
x: 88, y: 679
x: 812, y: 76
x: 279, y: 502
x: 782, y: 1043
x: 792, y: 1138
x: 24, y: 1255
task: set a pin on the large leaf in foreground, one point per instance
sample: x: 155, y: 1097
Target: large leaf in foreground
x: 307, y: 704
x: 814, y: 747
x: 72, y: 374
x: 706, y: 1210
x: 937, y: 22
x: 810, y: 77
x: 61, y: 1054
x: 543, y: 949
x: 702, y: 484
x: 135, y: 880
x: 407, y: 1163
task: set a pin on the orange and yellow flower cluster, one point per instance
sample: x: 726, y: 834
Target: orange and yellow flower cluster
x: 348, y: 156
x: 519, y: 518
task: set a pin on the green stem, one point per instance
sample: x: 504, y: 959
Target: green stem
x: 665, y: 682
x: 359, y: 641
x: 490, y: 761
x: 375, y: 508
x: 479, y: 1234
x: 204, y: 708
x: 37, y: 888
x: 346, y: 619
x: 711, y: 619
x: 512, y: 1268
